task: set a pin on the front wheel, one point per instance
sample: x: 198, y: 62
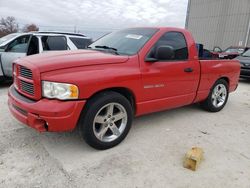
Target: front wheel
x: 106, y: 120
x: 217, y: 98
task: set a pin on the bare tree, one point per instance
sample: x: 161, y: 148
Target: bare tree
x: 30, y: 27
x: 8, y: 25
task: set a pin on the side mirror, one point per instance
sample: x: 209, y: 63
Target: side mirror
x: 164, y: 53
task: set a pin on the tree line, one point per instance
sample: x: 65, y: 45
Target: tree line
x: 9, y: 25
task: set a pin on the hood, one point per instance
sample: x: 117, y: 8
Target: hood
x: 51, y: 61
x: 242, y: 59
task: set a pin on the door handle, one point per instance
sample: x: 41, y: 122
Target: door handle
x: 188, y: 69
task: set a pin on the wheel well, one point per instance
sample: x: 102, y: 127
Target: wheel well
x: 226, y: 79
x: 123, y: 91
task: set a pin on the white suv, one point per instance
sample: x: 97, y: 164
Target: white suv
x: 18, y: 45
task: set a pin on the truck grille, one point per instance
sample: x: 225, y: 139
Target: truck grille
x: 25, y: 83
x: 27, y: 87
x: 25, y: 72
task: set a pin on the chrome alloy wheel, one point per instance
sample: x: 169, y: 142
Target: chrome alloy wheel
x: 219, y: 95
x: 110, y: 122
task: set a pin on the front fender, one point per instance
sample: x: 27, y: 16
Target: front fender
x: 92, y: 79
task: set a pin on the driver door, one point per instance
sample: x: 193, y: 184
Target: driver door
x: 172, y: 82
x: 16, y: 49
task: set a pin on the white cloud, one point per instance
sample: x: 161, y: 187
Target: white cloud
x: 90, y: 14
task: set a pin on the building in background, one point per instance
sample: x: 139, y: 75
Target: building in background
x: 220, y: 23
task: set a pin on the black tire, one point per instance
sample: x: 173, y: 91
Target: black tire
x: 208, y: 103
x: 2, y: 79
x: 87, y: 127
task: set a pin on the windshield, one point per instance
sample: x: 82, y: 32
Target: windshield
x: 7, y: 37
x: 234, y: 50
x: 124, y: 42
x: 247, y: 53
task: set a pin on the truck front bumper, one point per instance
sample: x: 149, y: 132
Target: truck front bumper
x: 45, y: 114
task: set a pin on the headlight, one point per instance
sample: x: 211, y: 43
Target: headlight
x: 62, y: 91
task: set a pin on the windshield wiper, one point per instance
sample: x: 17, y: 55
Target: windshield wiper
x: 108, y: 48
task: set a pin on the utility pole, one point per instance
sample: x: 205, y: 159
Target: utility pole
x: 248, y: 32
x: 187, y: 14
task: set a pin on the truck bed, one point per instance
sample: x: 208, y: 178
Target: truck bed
x: 213, y: 69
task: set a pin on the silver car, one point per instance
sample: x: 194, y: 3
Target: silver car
x: 244, y: 60
x: 18, y: 45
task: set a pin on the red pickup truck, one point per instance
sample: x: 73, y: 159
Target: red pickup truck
x: 124, y: 74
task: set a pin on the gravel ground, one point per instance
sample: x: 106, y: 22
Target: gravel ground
x: 150, y: 156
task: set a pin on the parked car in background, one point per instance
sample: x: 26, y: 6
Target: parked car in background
x: 245, y: 64
x: 127, y: 73
x: 18, y: 45
x: 229, y: 53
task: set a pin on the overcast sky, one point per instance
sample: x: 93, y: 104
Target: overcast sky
x: 95, y: 14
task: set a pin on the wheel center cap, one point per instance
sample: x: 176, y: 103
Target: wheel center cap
x: 109, y: 120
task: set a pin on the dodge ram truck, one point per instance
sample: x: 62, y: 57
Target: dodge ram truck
x: 125, y: 74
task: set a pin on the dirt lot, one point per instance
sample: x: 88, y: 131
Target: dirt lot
x: 151, y: 155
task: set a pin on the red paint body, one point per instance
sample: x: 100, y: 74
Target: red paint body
x: 154, y: 86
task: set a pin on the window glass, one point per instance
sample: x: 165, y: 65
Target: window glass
x: 125, y: 42
x: 51, y: 43
x: 19, y: 45
x: 217, y: 49
x: 177, y: 41
x: 80, y: 43
x: 246, y: 54
x: 231, y: 50
x: 241, y: 50
x: 33, y: 46
x: 234, y: 50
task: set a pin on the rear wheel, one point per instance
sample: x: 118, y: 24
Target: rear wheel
x: 217, y: 98
x: 106, y: 120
